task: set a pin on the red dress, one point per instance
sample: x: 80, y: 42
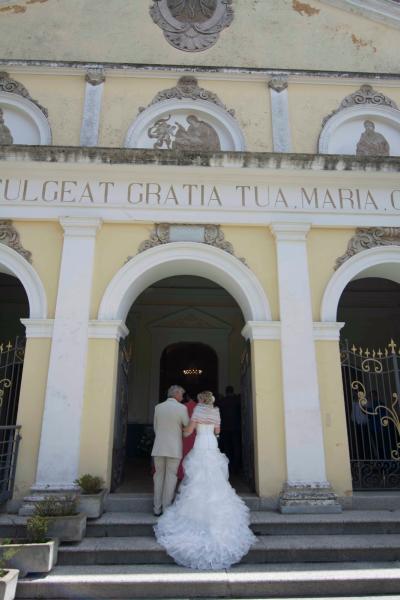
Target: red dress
x: 187, y: 441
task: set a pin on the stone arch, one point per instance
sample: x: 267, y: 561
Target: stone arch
x: 12, y: 263
x: 184, y: 258
x: 381, y: 261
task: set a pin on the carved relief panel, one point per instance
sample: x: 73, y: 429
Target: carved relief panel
x: 367, y: 123
x: 186, y: 118
x: 22, y: 119
x: 192, y: 25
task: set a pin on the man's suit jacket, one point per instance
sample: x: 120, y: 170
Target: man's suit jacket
x: 169, y: 418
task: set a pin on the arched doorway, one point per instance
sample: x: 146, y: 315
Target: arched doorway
x: 185, y: 330
x: 13, y: 306
x: 192, y: 365
x: 370, y: 344
x: 176, y: 259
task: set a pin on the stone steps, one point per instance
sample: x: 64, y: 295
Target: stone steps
x: 123, y: 524
x: 267, y: 549
x: 243, y: 581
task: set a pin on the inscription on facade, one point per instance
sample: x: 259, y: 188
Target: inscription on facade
x: 151, y: 194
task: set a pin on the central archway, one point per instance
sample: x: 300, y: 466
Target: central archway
x: 184, y: 258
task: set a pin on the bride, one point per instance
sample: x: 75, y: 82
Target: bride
x: 207, y: 527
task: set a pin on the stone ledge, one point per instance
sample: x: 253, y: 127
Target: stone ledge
x: 245, y: 160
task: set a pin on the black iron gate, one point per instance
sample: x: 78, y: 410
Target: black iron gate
x: 371, y: 382
x: 11, y: 365
x: 121, y: 417
x: 247, y: 417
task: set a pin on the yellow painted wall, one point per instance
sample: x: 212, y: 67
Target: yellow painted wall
x: 62, y: 95
x: 257, y: 246
x: 282, y: 34
x: 269, y: 437
x: 333, y: 417
x: 30, y: 411
x: 324, y: 246
x: 44, y: 239
x: 99, y: 409
x: 114, y: 244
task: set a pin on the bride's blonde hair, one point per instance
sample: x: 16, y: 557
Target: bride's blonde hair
x: 206, y: 398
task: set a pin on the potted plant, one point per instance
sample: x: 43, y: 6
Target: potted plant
x: 93, y: 493
x: 8, y: 577
x: 35, y: 553
x: 64, y: 520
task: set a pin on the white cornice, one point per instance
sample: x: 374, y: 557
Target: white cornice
x: 38, y: 328
x: 262, y: 330
x: 384, y: 11
x: 80, y: 226
x: 327, y: 331
x: 112, y: 330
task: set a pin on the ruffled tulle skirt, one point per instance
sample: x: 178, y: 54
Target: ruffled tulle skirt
x: 207, y: 527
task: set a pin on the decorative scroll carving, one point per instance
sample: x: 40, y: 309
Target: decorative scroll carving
x: 192, y: 25
x: 10, y: 237
x: 160, y: 235
x: 199, y: 135
x: 369, y: 237
x: 372, y: 143
x: 212, y: 235
x: 188, y: 88
x: 95, y: 76
x: 14, y: 87
x: 366, y: 95
x: 278, y: 84
x: 5, y: 134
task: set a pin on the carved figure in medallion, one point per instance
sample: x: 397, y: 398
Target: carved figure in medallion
x: 198, y: 136
x: 192, y: 25
x: 5, y: 134
x: 163, y: 132
x: 372, y: 143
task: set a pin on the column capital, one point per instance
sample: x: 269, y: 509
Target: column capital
x: 327, y: 331
x: 278, y: 84
x: 290, y: 232
x: 82, y: 227
x: 95, y: 76
x: 262, y: 330
x: 113, y: 329
x: 38, y: 328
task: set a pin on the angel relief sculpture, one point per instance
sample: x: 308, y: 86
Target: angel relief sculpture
x: 199, y: 135
x: 192, y: 25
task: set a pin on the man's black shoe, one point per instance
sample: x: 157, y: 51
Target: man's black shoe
x: 157, y: 514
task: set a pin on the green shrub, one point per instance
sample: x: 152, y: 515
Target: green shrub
x: 5, y: 557
x: 36, y: 529
x: 54, y: 506
x: 90, y: 484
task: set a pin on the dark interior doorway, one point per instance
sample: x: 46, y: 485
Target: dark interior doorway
x: 192, y: 365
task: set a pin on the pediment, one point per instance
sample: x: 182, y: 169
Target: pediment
x: 383, y: 11
x: 190, y: 318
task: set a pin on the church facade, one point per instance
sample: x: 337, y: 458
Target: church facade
x: 202, y: 192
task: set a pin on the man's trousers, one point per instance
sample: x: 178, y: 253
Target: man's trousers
x: 165, y: 479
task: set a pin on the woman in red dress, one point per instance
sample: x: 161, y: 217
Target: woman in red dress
x: 189, y: 440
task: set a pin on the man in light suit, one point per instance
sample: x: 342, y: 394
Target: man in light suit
x: 169, y: 419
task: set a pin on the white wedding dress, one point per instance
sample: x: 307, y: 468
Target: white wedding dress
x: 207, y: 527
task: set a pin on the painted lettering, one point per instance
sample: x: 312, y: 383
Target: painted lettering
x: 54, y: 192
x: 313, y: 198
x: 243, y: 189
x: 214, y: 197
x: 107, y: 185
x: 156, y: 193
x: 86, y: 194
x: 346, y: 195
x: 65, y: 189
x: 131, y: 189
x: 328, y: 200
x: 395, y: 199
x: 370, y: 201
x: 8, y: 187
x: 190, y: 186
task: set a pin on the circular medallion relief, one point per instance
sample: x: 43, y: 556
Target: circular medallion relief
x: 22, y: 121
x: 362, y: 130
x: 185, y: 125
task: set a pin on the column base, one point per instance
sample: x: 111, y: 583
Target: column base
x: 40, y: 493
x: 308, y: 498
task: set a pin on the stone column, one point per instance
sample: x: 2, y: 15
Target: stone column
x: 280, y: 114
x: 92, y: 107
x: 306, y: 489
x: 59, y: 451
